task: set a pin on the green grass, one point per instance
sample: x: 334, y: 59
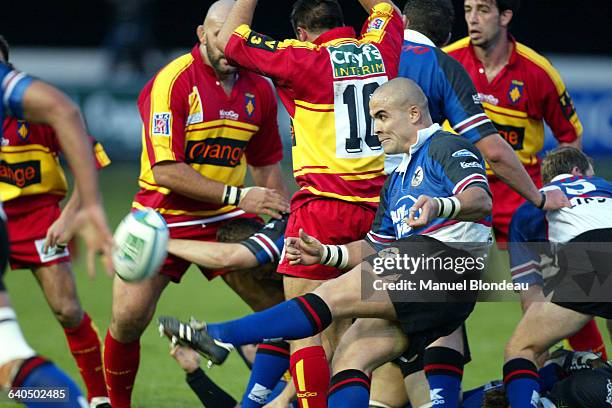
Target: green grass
x: 160, y: 381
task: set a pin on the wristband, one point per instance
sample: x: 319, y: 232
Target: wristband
x: 543, y: 202
x: 231, y: 195
x: 448, y: 207
x: 335, y: 256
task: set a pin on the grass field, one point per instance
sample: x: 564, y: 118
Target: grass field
x: 160, y: 382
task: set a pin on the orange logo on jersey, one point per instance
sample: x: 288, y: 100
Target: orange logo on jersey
x: 516, y: 91
x: 20, y: 174
x: 513, y: 135
x: 218, y: 151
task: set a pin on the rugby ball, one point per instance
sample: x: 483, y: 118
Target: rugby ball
x: 140, y: 245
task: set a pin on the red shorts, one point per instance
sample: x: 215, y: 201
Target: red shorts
x: 506, y: 201
x: 175, y: 267
x: 331, y: 222
x: 27, y: 234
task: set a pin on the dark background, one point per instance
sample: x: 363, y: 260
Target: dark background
x: 560, y: 26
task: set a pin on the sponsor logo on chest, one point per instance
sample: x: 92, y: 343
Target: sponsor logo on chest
x: 218, y: 151
x: 349, y: 60
x: 21, y: 174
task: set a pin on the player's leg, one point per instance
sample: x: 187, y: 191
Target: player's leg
x: 256, y: 286
x: 543, y: 325
x: 387, y: 388
x: 58, y: 284
x: 443, y: 366
x: 366, y: 345
x: 133, y: 307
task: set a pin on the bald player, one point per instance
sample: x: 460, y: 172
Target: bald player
x: 204, y: 124
x: 453, y: 203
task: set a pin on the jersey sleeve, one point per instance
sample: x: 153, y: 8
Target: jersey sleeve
x: 528, y: 226
x: 13, y: 85
x: 101, y: 158
x: 265, y: 147
x: 382, y: 232
x: 164, y: 114
x: 267, y: 56
x: 461, y: 162
x: 385, y: 28
x: 267, y: 243
x: 558, y: 108
x: 462, y: 106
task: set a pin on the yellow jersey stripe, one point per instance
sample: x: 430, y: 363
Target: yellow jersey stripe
x: 543, y: 63
x: 314, y: 105
x: 225, y: 123
x: 314, y: 191
x: 505, y: 111
x: 462, y: 43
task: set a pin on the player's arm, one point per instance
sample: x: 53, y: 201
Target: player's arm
x: 44, y: 103
x: 270, y: 177
x: 241, y: 13
x: 369, y: 4
x: 307, y: 250
x: 213, y: 255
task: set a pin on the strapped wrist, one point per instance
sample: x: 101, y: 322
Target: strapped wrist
x: 335, y: 256
x: 448, y: 207
x: 543, y: 202
x: 231, y: 195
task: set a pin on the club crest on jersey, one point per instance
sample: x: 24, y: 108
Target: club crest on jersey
x: 417, y: 178
x: 23, y: 130
x: 515, y: 93
x: 161, y: 124
x: 249, y: 104
x: 350, y: 60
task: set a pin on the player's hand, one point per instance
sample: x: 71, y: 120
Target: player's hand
x: 261, y: 200
x: 422, y: 212
x: 186, y: 357
x: 278, y: 402
x: 59, y: 233
x: 90, y: 224
x: 305, y: 250
x: 556, y: 199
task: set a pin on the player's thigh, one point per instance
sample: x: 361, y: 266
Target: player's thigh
x: 543, y: 324
x: 388, y: 386
x: 368, y: 344
x: 258, y: 290
x: 58, y: 284
x: 133, y: 306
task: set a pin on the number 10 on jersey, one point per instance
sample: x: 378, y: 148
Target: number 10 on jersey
x: 355, y: 136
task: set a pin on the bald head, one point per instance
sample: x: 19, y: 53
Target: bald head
x: 218, y: 12
x: 402, y: 92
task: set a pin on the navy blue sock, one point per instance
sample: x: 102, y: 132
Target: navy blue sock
x: 350, y: 389
x: 444, y: 371
x: 549, y: 376
x: 271, y: 362
x: 39, y: 373
x: 522, y: 385
x: 297, y: 318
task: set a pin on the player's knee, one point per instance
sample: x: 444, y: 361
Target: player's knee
x: 339, y: 301
x: 127, y: 327
x: 68, y: 313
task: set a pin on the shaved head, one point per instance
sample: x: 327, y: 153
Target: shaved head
x: 399, y: 109
x: 218, y: 12
x: 402, y: 92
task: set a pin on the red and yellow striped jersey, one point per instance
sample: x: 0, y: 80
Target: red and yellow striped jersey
x: 326, y: 86
x: 187, y: 117
x: 526, y: 92
x: 30, y: 173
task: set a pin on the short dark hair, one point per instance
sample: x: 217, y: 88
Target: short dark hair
x: 495, y: 398
x: 316, y: 15
x: 4, y: 49
x: 562, y: 160
x: 432, y: 18
x: 238, y: 229
x: 503, y: 5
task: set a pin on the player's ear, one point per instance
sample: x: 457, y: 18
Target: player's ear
x: 301, y: 34
x: 201, y: 35
x: 405, y: 21
x: 506, y: 17
x: 415, y: 114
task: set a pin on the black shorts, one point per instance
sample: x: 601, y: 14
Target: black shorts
x: 585, y: 388
x: 4, y: 251
x: 601, y: 309
x: 423, y: 322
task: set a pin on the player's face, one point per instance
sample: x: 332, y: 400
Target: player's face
x: 392, y: 125
x: 483, y: 21
x: 215, y: 55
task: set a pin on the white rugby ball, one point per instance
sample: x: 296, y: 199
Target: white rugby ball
x: 140, y: 245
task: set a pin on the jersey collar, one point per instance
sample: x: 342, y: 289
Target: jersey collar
x: 422, y: 136
x: 334, y: 34
x: 416, y: 37
x: 561, y: 177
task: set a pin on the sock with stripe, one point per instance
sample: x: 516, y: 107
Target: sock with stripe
x: 84, y: 345
x: 36, y: 372
x: 271, y: 362
x: 310, y: 371
x: 444, y: 371
x: 350, y: 389
x: 209, y: 393
x: 589, y: 339
x: 121, y: 362
x: 522, y: 383
x: 297, y: 318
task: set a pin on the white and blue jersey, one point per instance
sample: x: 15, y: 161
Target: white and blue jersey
x: 591, y: 199
x: 267, y: 243
x: 439, y: 164
x: 449, y: 89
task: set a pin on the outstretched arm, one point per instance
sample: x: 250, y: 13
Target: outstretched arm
x: 242, y: 13
x: 213, y: 255
x: 368, y: 4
